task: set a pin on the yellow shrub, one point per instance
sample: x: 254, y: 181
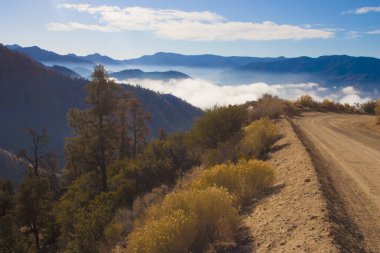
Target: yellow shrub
x: 171, y: 233
x: 377, y: 108
x: 211, y: 210
x: 260, y: 135
x: 244, y: 180
x: 306, y: 101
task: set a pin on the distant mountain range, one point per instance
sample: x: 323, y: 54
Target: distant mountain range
x: 158, y: 59
x: 139, y: 74
x: 65, y: 71
x: 45, y: 56
x: 198, y: 61
x: 102, y: 59
x: 34, y: 96
x: 333, y: 70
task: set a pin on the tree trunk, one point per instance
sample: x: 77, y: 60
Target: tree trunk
x: 35, y: 165
x: 36, y: 237
x: 102, y: 164
x: 134, y: 136
x: 104, y: 179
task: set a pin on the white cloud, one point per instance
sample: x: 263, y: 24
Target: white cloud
x: 353, y: 34
x: 205, y: 94
x: 187, y: 25
x: 351, y: 96
x: 321, y: 89
x: 78, y: 26
x: 350, y: 90
x: 352, y: 99
x: 374, y: 32
x: 365, y: 10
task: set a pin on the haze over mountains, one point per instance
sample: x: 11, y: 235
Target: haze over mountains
x: 34, y: 96
x: 206, y: 80
x: 334, y: 70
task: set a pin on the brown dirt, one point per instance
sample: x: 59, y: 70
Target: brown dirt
x: 373, y: 126
x: 294, y: 216
x: 347, y: 156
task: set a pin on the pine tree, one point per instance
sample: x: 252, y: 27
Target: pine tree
x: 138, y: 123
x: 33, y: 205
x: 93, y: 146
x: 38, y: 150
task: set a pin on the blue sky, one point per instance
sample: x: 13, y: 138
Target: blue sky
x: 126, y: 29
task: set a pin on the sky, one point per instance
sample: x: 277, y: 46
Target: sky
x: 131, y: 28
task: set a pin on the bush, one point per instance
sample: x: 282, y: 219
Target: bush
x: 290, y: 108
x: 90, y: 222
x: 259, y: 137
x: 124, y: 218
x: 218, y: 125
x: 172, y: 233
x: 368, y: 107
x: 244, y: 180
x: 377, y: 111
x: 306, y: 101
x: 329, y: 105
x: 211, y: 210
x: 267, y: 106
x: 225, y: 152
x: 377, y: 108
x: 79, y: 194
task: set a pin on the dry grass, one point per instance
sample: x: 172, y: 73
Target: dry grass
x: 171, y: 233
x: 267, y: 106
x: 259, y: 137
x: 210, y: 211
x: 244, y: 180
x: 125, y: 218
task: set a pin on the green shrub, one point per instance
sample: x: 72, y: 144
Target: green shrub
x: 368, y: 107
x: 244, y: 180
x: 211, y: 210
x: 260, y: 135
x: 90, y: 222
x: 218, y: 125
x: 225, y: 152
x: 79, y: 194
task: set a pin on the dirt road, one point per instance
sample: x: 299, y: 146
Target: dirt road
x: 349, y: 155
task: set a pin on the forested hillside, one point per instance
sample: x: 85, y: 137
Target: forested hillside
x: 34, y: 96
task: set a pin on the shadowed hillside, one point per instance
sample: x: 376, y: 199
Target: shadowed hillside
x: 32, y: 95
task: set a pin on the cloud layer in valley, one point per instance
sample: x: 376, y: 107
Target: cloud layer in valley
x: 185, y: 25
x: 206, y: 94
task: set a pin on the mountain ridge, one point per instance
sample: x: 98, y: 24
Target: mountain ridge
x: 154, y: 75
x: 331, y: 70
